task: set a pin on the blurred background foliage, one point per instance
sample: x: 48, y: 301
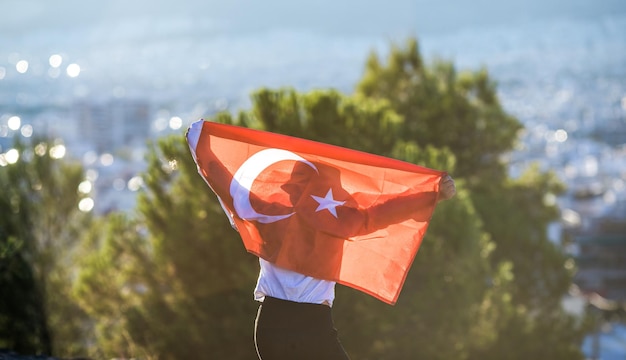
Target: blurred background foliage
x: 172, y: 280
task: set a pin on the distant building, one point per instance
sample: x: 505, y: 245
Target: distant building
x: 111, y: 138
x: 112, y: 125
x: 5, y: 142
x: 601, y: 255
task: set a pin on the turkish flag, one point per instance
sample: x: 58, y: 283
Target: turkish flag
x: 320, y: 210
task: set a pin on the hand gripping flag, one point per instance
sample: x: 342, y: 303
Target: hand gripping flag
x: 320, y: 210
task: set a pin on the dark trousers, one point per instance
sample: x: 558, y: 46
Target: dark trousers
x: 296, y: 331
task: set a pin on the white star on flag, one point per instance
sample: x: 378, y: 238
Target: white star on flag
x: 328, y: 203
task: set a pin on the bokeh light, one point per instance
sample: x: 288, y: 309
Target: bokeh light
x: 560, y: 135
x: 176, y: 123
x: 571, y: 217
x: 160, y: 124
x: 57, y: 151
x: 12, y: 156
x: 21, y: 66
x: 86, y: 204
x: 90, y: 157
x: 55, y: 60
x: 27, y: 131
x: 85, y: 187
x: 73, y: 70
x: 106, y: 159
x: 549, y: 199
x: 91, y: 175
x: 41, y: 149
x: 14, y: 122
x: 135, y: 183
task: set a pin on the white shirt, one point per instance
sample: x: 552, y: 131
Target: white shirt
x: 289, y: 285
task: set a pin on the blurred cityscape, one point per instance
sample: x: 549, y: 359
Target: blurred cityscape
x: 101, y: 92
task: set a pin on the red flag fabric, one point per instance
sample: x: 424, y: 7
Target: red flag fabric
x: 320, y: 210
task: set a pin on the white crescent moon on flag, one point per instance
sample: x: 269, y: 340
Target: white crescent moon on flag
x: 248, y: 172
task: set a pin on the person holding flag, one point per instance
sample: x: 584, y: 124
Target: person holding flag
x: 315, y: 214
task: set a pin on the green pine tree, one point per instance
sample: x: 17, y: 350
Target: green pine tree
x: 39, y: 227
x: 461, y: 112
x: 171, y: 281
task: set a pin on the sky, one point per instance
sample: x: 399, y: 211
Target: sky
x: 390, y: 18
